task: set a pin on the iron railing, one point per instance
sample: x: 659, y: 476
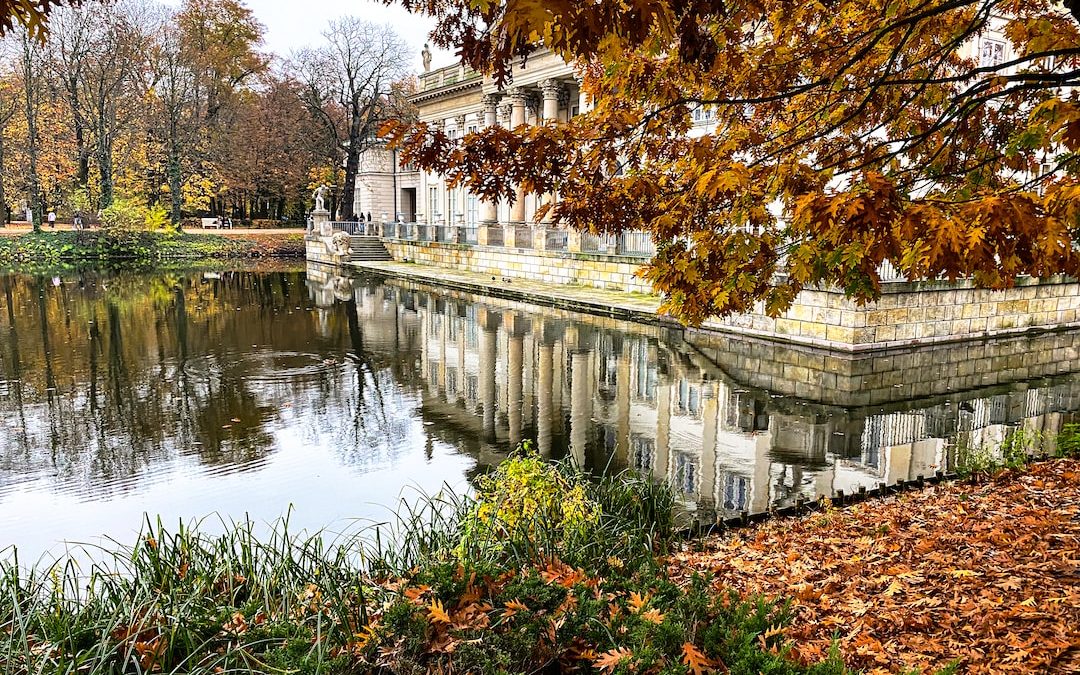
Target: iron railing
x: 598, y: 243
x: 523, y: 236
x: 556, y: 240
x: 637, y: 244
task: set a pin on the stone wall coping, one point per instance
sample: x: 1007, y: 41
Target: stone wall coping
x: 565, y: 255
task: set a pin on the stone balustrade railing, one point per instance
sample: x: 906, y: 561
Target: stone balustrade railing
x: 632, y: 244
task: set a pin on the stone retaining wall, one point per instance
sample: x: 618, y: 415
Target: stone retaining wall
x: 907, y: 314
x: 917, y: 313
x: 584, y: 269
x: 318, y: 250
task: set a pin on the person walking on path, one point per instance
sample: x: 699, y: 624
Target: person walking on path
x: 77, y: 220
x: 52, y: 219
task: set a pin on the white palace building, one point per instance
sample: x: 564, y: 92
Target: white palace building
x: 419, y: 218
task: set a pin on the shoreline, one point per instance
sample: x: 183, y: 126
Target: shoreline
x: 67, y: 247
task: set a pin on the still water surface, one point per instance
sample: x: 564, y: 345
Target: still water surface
x: 283, y: 390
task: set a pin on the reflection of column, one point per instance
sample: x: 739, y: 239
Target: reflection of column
x: 462, y: 329
x: 444, y: 321
x: 425, y: 353
x: 663, y: 431
x: 709, y: 414
x: 580, y: 405
x: 518, y: 99
x: 488, y: 334
x: 559, y: 392
x: 622, y: 407
x: 514, y: 387
x: 761, y: 486
x: 528, y: 385
x: 544, y: 397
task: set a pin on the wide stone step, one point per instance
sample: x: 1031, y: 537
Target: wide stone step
x: 367, y: 248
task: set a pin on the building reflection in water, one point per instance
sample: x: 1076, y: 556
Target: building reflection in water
x: 614, y: 394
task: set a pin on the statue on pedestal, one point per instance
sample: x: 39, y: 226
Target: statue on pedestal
x: 425, y: 55
x: 320, y: 194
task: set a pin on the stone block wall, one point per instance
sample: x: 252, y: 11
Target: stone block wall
x: 888, y: 379
x: 318, y: 250
x: 584, y: 269
x: 907, y: 314
x: 916, y: 313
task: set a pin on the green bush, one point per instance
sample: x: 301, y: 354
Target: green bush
x: 1068, y: 441
x: 529, y: 504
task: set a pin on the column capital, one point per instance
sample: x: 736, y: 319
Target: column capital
x: 552, y: 88
x: 504, y: 111
x: 490, y: 101
x: 460, y: 121
x: 518, y: 95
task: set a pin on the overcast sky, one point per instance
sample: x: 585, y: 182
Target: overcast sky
x: 292, y: 24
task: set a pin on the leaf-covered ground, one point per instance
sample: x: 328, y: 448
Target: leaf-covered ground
x: 985, y: 575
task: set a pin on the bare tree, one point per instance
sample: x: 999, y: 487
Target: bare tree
x: 347, y: 84
x: 71, y: 46
x: 31, y: 63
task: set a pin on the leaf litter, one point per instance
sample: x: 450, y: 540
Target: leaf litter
x: 986, y: 576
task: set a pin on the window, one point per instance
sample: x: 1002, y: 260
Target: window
x: 433, y: 203
x: 642, y: 452
x: 991, y: 53
x: 472, y: 210
x: 451, y: 382
x: 703, y: 115
x: 736, y: 492
x: 686, y: 474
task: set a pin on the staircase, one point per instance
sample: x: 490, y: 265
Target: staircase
x: 363, y: 247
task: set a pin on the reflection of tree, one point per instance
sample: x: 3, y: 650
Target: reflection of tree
x: 131, y: 370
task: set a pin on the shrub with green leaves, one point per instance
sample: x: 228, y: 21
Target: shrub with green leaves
x: 530, y: 504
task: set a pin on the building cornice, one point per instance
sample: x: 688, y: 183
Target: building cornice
x: 446, y: 90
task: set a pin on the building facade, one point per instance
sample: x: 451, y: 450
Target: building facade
x: 422, y: 219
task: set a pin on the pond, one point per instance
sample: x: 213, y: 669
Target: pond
x: 305, y: 392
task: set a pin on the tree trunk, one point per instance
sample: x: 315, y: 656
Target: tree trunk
x: 175, y: 184
x: 105, y: 168
x: 30, y: 90
x: 82, y: 153
x: 352, y: 166
x: 3, y: 193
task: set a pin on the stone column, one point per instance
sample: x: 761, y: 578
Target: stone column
x: 489, y: 210
x: 457, y: 218
x: 518, y: 100
x: 552, y: 90
x: 583, y: 100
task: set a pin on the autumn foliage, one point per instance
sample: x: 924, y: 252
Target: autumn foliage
x: 983, y: 576
x: 837, y: 137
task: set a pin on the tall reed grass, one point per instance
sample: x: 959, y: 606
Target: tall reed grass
x: 282, y: 602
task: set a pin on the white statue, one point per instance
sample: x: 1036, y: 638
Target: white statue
x: 425, y: 56
x: 320, y: 195
x: 340, y: 243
